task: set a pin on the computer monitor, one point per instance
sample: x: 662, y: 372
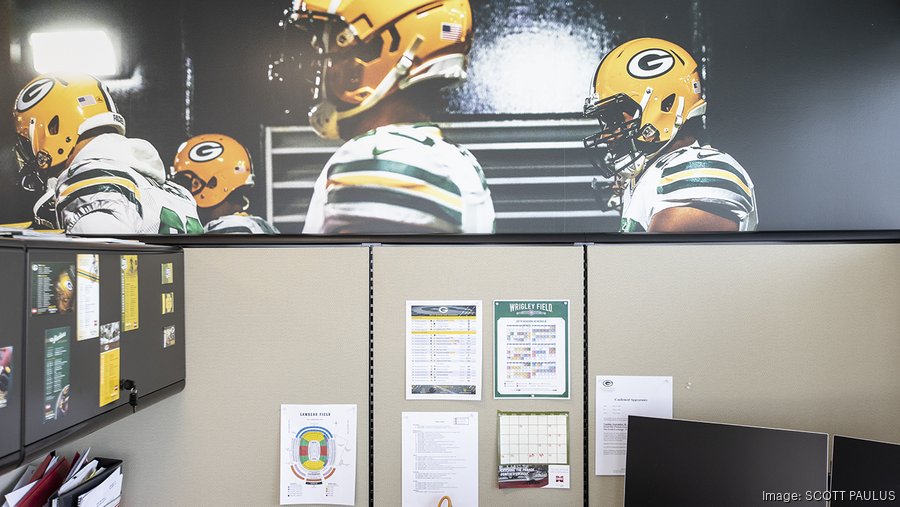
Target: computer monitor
x: 680, y: 463
x: 864, y: 472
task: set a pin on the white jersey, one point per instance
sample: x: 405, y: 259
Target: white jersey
x: 401, y: 179
x: 116, y: 185
x: 697, y: 176
x: 240, y: 223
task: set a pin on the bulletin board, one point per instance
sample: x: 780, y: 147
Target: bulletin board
x: 800, y: 336
x: 96, y: 317
x: 12, y: 264
x: 472, y: 273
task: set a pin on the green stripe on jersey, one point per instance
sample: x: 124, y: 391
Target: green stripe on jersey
x: 704, y: 164
x: 265, y: 226
x: 704, y: 182
x: 391, y: 166
x: 96, y: 173
x: 629, y: 225
x: 387, y: 196
x: 101, y: 188
x: 231, y: 230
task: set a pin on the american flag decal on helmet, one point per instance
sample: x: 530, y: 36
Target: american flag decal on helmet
x: 86, y: 100
x: 451, y: 31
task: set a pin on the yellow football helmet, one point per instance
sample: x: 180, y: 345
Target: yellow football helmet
x: 51, y: 113
x: 212, y: 166
x: 642, y: 93
x: 65, y: 287
x: 361, y: 51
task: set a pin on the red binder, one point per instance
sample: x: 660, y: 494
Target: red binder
x: 39, y: 471
x: 47, y: 485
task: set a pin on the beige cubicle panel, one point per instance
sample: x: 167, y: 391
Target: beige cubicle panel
x: 265, y: 326
x: 481, y: 273
x: 798, y: 336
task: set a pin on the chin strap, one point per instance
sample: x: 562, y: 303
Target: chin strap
x: 324, y: 117
x: 679, y: 117
x: 44, y: 210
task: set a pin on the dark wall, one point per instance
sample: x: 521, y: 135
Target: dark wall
x: 805, y: 96
x: 149, y: 94
x: 538, y: 58
x: 229, y: 43
x: 15, y: 204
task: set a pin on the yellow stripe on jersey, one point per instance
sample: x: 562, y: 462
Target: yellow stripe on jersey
x: 386, y: 180
x: 100, y: 180
x: 705, y: 173
x: 29, y: 225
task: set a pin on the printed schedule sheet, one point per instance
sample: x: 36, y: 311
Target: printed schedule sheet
x: 443, y: 350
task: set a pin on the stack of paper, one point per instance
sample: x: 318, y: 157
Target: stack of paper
x: 87, y: 483
x: 37, y: 484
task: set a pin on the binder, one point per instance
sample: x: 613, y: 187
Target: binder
x: 46, y: 485
x: 39, y: 471
x: 70, y: 498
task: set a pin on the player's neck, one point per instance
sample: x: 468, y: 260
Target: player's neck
x: 220, y: 210
x: 392, y: 110
x: 77, y: 149
x: 86, y: 138
x: 678, y: 144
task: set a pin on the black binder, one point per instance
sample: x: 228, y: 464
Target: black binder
x: 70, y: 498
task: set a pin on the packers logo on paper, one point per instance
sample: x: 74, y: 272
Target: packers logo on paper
x: 312, y: 454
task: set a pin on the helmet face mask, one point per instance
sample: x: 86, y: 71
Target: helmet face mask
x: 336, y: 60
x: 308, y: 38
x: 29, y: 177
x: 615, y: 149
x: 355, y: 53
x: 189, y: 180
x: 329, y: 57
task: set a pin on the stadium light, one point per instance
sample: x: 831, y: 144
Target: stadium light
x: 79, y: 51
x: 567, y: 56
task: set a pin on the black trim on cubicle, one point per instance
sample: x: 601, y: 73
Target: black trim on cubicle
x: 586, y: 379
x: 142, y: 248
x: 371, y: 376
x: 224, y: 240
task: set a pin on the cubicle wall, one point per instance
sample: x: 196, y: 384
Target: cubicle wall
x: 473, y: 273
x: 266, y: 327
x: 799, y: 336
x: 802, y: 337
